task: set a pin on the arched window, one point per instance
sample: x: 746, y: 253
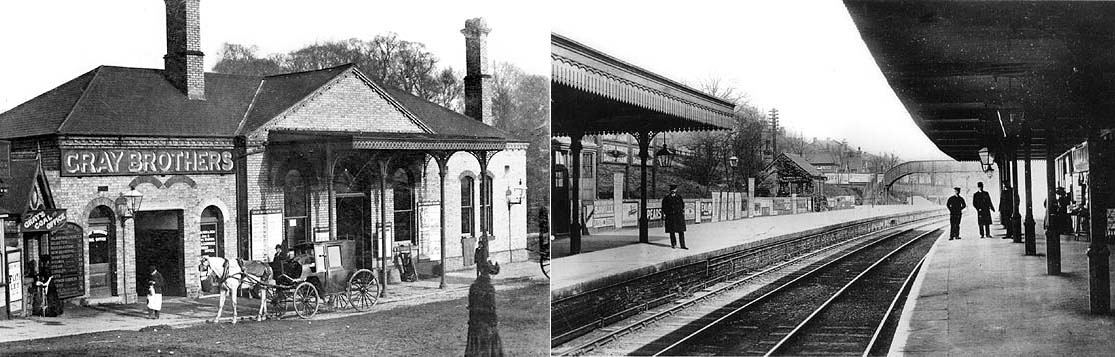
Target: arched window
x: 212, y: 232
x: 403, y: 187
x: 296, y: 208
x: 467, y: 205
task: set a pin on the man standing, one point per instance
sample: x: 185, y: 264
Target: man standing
x: 673, y: 212
x: 956, y: 207
x: 981, y: 200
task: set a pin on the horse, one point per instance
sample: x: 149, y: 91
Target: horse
x: 233, y: 275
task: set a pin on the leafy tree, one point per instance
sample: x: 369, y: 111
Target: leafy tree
x: 521, y: 106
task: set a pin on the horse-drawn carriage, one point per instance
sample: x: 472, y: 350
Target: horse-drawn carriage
x: 329, y: 273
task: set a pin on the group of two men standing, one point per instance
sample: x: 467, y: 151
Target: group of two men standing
x: 982, y: 202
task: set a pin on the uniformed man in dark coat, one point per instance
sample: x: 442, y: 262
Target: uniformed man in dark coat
x: 981, y: 200
x: 956, y: 207
x: 673, y: 212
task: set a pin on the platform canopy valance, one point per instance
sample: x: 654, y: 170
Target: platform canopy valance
x: 973, y: 72
x: 607, y: 95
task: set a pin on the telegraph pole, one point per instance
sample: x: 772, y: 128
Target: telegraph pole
x: 774, y: 132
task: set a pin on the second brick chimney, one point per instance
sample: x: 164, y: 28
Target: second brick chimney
x: 478, y: 96
x: 184, y: 61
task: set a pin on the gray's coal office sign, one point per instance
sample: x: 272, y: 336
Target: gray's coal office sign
x: 111, y: 162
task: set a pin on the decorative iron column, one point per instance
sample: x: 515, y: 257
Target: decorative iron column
x: 1099, y: 190
x: 443, y: 169
x: 644, y: 138
x: 383, y: 165
x: 1031, y: 244
x: 575, y: 193
x: 1054, y: 217
x: 1016, y: 216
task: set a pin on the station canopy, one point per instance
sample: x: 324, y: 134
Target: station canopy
x: 972, y: 72
x: 594, y: 93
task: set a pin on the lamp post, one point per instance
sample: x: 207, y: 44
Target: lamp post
x: 514, y: 195
x: 127, y: 205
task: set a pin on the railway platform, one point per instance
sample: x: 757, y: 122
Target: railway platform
x: 615, y: 252
x: 985, y: 297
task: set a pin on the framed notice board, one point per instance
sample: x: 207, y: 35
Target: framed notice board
x: 66, y: 263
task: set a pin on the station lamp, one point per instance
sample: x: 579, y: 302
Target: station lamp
x: 515, y: 194
x: 129, y: 202
x: 664, y: 156
x: 985, y: 159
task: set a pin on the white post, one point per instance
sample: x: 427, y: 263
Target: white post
x: 617, y: 199
x: 750, y: 196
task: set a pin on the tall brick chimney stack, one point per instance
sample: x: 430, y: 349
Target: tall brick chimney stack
x: 478, y: 87
x: 184, y: 62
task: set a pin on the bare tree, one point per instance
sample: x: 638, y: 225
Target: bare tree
x: 385, y: 59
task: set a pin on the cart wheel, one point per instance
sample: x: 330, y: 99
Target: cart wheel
x: 363, y: 290
x: 545, y: 263
x: 306, y: 300
x: 276, y: 300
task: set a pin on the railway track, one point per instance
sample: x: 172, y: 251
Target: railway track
x: 791, y: 319
x: 660, y: 327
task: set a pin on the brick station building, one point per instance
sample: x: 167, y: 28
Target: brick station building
x: 233, y: 165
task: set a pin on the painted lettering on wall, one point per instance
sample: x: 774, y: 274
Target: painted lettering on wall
x: 42, y: 221
x: 104, y: 162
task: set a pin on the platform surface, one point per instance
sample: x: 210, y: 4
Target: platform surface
x: 985, y: 297
x: 619, y: 250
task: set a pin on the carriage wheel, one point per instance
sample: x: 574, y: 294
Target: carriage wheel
x: 306, y: 300
x: 545, y: 263
x: 276, y: 301
x: 363, y: 290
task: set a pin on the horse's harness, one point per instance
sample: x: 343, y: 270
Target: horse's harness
x: 224, y: 273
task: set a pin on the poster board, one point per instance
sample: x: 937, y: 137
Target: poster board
x: 66, y: 247
x: 267, y: 232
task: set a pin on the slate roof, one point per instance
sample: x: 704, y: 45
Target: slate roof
x: 20, y: 184
x: 805, y: 165
x: 122, y: 101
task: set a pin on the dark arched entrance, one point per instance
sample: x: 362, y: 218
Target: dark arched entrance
x: 102, y: 252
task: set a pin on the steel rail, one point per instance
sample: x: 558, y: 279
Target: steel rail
x: 855, y: 280
x: 780, y: 288
x: 593, y: 344
x: 906, y: 286
x: 758, y: 251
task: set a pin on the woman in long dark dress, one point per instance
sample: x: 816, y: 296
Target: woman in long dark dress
x: 47, y: 291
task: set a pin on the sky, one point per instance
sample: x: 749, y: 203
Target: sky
x: 804, y: 57
x: 46, y: 43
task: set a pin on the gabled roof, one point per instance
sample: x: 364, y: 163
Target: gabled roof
x: 279, y: 92
x: 121, y: 101
x: 797, y: 161
x: 21, y: 186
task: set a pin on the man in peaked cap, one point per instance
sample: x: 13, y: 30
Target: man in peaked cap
x: 673, y: 212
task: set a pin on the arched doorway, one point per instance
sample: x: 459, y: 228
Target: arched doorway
x: 102, y: 252
x: 212, y: 232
